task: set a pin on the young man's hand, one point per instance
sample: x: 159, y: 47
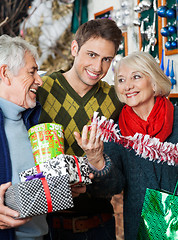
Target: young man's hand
x: 76, y: 191
x: 92, y: 146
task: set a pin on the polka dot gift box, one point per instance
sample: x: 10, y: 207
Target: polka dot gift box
x: 39, y: 196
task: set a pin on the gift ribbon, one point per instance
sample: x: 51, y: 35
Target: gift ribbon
x: 35, y: 176
x: 46, y: 190
x: 78, y: 168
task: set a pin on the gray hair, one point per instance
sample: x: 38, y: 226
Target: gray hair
x: 146, y: 64
x: 12, y: 52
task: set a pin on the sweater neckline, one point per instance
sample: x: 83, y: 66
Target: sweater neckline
x: 82, y: 100
x: 11, y: 110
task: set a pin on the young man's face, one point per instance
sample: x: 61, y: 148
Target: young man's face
x: 93, y: 59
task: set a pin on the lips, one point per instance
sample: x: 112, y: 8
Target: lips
x: 33, y: 90
x: 92, y: 74
x: 131, y: 94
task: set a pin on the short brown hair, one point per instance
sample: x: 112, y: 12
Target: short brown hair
x: 104, y: 28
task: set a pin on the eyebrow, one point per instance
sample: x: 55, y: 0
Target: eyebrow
x: 131, y: 73
x: 34, y: 68
x: 120, y: 74
x: 90, y: 51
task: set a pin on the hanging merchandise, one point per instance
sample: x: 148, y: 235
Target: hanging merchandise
x: 168, y: 73
x: 172, y: 29
x: 169, y: 29
x: 173, y: 81
x: 147, y: 23
x: 162, y: 11
x: 123, y: 15
x: 143, y: 6
x: 171, y: 13
x: 165, y: 32
x: 167, y: 69
x: 162, y: 61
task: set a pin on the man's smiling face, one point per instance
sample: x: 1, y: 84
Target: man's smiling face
x: 93, y: 59
x: 24, y: 85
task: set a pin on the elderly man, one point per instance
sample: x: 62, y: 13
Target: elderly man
x: 19, y: 81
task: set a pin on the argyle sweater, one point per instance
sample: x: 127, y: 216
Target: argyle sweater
x: 61, y: 104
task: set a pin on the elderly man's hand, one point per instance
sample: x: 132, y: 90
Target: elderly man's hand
x: 7, y: 215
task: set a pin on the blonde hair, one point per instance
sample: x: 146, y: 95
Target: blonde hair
x: 146, y: 64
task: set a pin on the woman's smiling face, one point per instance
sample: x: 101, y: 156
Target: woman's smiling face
x: 134, y: 88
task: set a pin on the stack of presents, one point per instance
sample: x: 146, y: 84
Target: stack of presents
x: 46, y: 187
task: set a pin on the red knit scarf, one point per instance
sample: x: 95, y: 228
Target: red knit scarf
x: 159, y: 123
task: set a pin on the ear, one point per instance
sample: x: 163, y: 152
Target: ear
x: 74, y: 48
x: 4, y: 74
x: 154, y: 87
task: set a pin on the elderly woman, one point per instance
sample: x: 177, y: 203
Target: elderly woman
x: 143, y: 87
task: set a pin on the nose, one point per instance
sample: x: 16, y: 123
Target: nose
x: 98, y: 65
x: 128, y: 85
x: 38, y: 80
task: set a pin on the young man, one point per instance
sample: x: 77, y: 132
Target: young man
x: 70, y: 98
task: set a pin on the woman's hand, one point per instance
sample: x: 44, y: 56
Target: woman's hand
x: 7, y: 215
x: 92, y: 146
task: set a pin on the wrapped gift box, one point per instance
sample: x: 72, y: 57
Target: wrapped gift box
x: 40, y: 196
x: 50, y: 168
x: 76, y: 167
